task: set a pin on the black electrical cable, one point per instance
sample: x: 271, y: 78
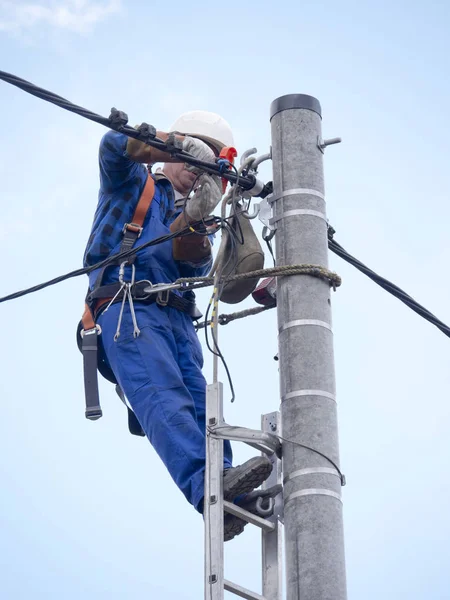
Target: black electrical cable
x: 118, y: 122
x: 217, y: 351
x: 341, y: 475
x: 386, y: 285
x: 269, y: 245
x: 114, y: 259
x: 225, y: 366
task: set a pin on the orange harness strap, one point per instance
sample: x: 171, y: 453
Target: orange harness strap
x: 142, y: 207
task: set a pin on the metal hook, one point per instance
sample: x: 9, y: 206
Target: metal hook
x: 246, y: 154
x: 322, y: 144
x: 265, y: 511
x: 261, y: 159
x: 253, y: 214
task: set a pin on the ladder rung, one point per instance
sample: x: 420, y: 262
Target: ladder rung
x: 233, y: 509
x: 241, y: 591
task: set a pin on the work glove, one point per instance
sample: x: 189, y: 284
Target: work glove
x: 198, y: 149
x: 207, y: 195
x: 208, y: 190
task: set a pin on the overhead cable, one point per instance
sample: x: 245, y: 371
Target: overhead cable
x: 145, y: 133
x: 386, y: 285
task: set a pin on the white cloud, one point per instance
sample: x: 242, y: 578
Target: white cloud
x: 78, y: 16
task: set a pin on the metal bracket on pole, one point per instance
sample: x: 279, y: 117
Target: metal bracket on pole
x: 265, y: 212
x: 322, y: 144
x: 261, y: 440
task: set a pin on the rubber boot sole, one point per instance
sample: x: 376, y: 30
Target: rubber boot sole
x: 232, y: 527
x: 253, y: 473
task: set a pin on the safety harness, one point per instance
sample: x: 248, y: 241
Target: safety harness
x: 102, y: 296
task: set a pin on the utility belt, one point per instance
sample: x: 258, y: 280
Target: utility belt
x: 106, y: 295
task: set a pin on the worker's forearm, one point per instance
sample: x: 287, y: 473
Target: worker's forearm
x: 192, y: 248
x: 142, y: 153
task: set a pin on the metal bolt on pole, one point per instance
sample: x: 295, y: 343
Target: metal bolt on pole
x: 314, y: 539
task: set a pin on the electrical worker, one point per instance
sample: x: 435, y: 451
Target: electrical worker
x: 152, y: 346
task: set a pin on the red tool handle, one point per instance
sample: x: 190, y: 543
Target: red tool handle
x: 228, y: 153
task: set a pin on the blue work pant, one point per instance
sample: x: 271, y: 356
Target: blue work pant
x: 160, y: 374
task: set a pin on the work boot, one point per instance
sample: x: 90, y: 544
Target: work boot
x: 245, y: 478
x: 234, y: 525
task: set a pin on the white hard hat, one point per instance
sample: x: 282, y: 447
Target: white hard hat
x: 207, y: 126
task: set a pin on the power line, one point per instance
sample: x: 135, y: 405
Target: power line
x: 386, y: 285
x: 111, y: 260
x: 146, y: 133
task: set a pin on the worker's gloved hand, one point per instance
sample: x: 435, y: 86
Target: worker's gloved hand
x: 207, y: 196
x: 198, y: 149
x: 208, y: 189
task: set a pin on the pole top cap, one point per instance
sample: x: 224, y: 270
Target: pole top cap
x: 295, y: 101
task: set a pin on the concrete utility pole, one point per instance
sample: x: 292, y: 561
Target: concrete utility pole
x: 314, y: 540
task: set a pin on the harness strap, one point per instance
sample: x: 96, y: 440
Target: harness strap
x: 132, y: 231
x: 89, y: 349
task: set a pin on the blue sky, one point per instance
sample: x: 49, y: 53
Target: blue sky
x: 87, y: 510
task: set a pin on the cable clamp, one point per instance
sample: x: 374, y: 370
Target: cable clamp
x: 173, y: 144
x: 146, y: 131
x: 118, y: 118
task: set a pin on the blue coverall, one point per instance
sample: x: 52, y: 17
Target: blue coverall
x: 160, y: 371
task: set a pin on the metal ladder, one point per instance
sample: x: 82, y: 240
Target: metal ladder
x: 266, y: 441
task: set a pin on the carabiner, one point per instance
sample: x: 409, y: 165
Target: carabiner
x: 122, y: 273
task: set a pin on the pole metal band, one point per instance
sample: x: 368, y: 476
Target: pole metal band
x: 313, y: 492
x: 302, y: 322
x: 297, y: 393
x: 299, y: 211
x: 312, y: 471
x: 294, y: 191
